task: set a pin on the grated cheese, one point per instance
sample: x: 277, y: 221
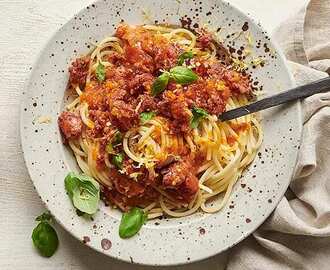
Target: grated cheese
x: 44, y: 119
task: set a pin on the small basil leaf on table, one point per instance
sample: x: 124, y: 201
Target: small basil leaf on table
x: 146, y: 116
x: 117, y: 160
x: 160, y: 84
x: 198, y: 115
x: 131, y: 222
x: 84, y: 192
x: 184, y: 56
x: 44, y: 237
x: 183, y: 75
x: 100, y: 72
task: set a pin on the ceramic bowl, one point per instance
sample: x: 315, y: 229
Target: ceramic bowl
x: 166, y: 241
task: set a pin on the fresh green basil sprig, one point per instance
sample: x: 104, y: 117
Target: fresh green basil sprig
x: 131, y: 222
x: 100, y: 72
x: 198, y: 115
x: 44, y: 237
x: 83, y: 191
x: 115, y: 141
x: 183, y: 56
x: 180, y: 74
x: 160, y: 84
x: 117, y: 138
x: 118, y: 160
x: 146, y: 116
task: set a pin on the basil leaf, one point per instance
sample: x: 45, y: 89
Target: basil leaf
x: 109, y: 148
x: 45, y: 239
x: 84, y: 192
x: 184, y: 56
x: 179, y: 74
x: 146, y: 116
x: 86, y: 198
x: 100, y: 72
x: 183, y: 75
x: 160, y: 84
x: 198, y: 115
x: 44, y: 217
x: 116, y: 139
x: 131, y: 222
x: 117, y: 160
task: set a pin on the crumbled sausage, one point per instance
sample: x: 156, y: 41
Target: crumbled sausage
x: 78, y: 71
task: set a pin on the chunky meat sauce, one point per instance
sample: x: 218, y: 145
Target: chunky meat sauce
x: 116, y: 103
x: 78, y: 71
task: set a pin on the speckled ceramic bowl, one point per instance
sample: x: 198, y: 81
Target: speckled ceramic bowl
x: 166, y: 241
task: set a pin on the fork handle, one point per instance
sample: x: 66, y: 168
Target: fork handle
x: 299, y: 92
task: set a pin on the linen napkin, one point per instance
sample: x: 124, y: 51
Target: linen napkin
x: 297, y: 234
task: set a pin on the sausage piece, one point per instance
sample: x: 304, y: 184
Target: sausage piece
x: 180, y: 176
x: 70, y: 125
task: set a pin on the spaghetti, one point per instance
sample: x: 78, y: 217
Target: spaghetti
x: 142, y: 148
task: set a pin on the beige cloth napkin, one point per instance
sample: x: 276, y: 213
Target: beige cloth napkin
x: 297, y: 235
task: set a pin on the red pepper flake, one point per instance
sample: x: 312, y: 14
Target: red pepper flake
x: 247, y: 220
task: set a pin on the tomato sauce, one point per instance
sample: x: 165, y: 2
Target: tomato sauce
x: 116, y: 103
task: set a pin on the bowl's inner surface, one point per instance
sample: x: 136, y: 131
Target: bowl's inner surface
x: 255, y: 194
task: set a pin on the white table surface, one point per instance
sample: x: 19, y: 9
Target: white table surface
x: 25, y: 26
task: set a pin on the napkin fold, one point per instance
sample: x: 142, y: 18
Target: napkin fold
x: 297, y: 234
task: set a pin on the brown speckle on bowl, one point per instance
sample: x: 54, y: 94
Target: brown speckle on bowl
x: 106, y: 244
x: 245, y: 26
x: 86, y: 239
